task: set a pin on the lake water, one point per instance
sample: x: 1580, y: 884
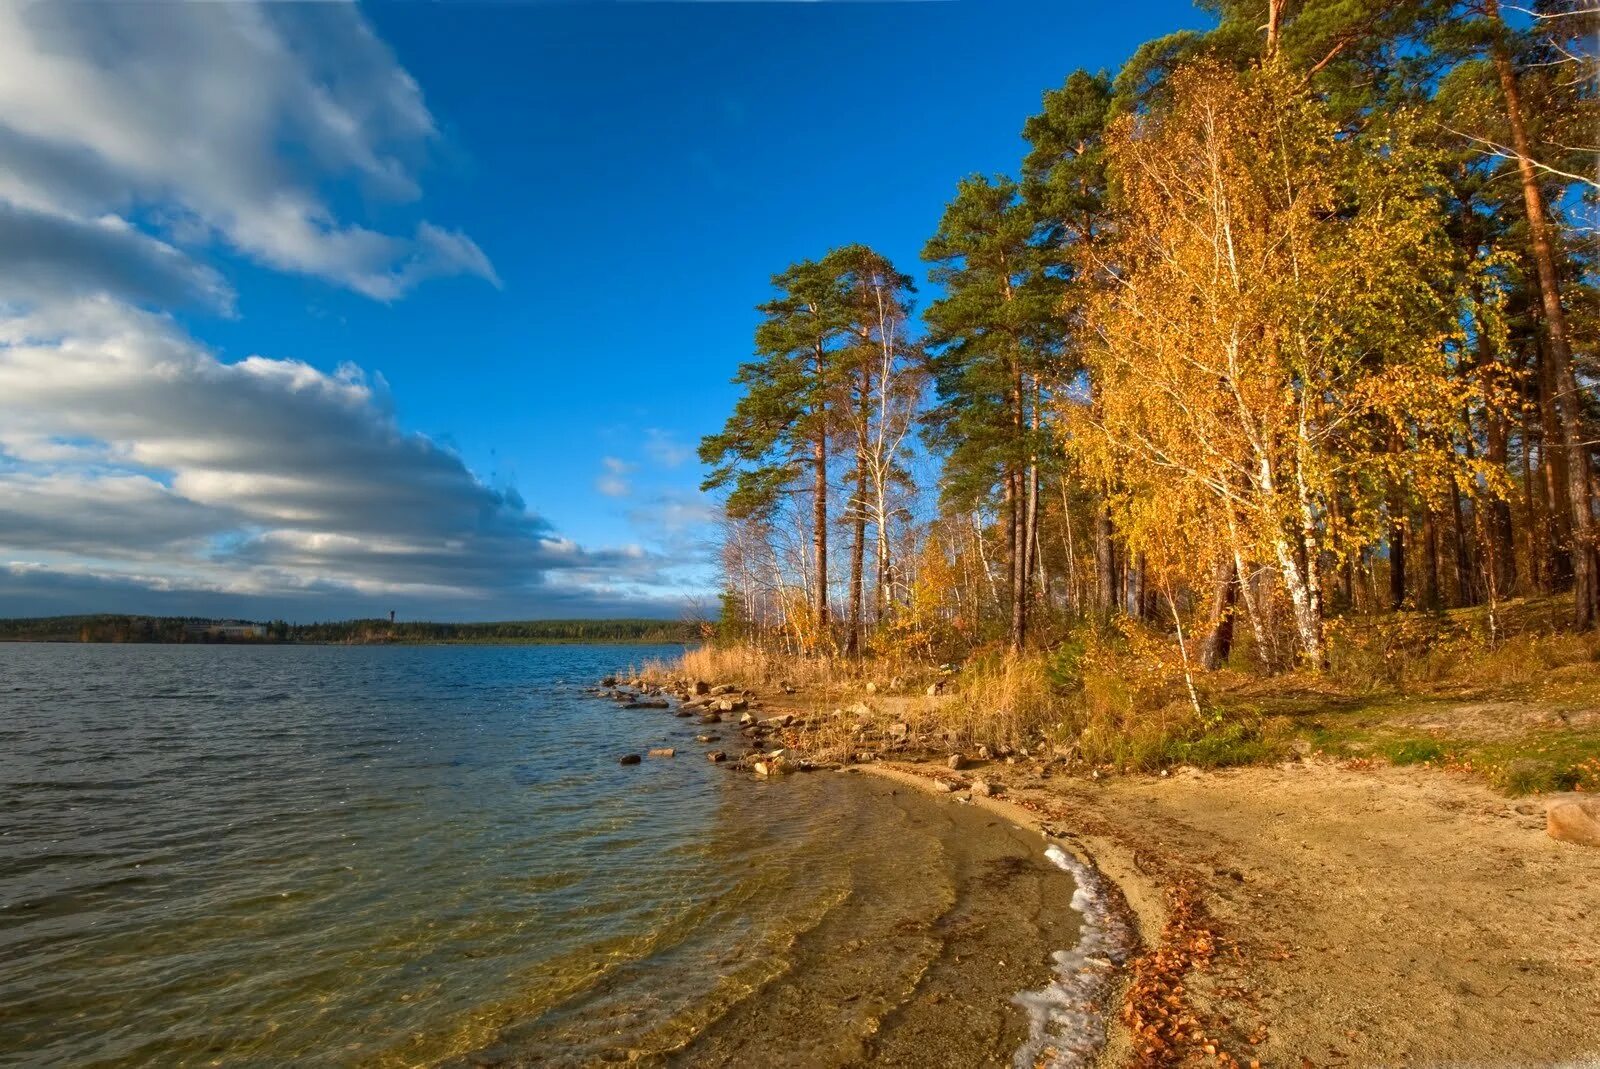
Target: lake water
x: 330, y: 856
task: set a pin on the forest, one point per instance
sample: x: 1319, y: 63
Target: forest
x: 1279, y: 334
x: 107, y: 627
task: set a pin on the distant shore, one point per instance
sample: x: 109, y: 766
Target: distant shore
x: 181, y: 630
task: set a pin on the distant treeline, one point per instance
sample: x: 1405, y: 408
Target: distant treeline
x: 117, y: 628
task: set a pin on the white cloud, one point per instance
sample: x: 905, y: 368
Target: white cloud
x: 181, y: 111
x: 664, y: 448
x: 138, y: 470
x: 136, y: 454
x: 613, y: 482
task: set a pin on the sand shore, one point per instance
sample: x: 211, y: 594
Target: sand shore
x: 1313, y: 914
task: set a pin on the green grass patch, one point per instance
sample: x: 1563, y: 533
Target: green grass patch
x: 1230, y: 744
x: 1414, y: 752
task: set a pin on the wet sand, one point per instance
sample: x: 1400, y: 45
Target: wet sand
x: 906, y: 947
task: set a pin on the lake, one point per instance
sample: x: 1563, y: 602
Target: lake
x: 330, y: 856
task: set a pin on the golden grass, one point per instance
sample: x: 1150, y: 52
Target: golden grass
x: 1118, y: 698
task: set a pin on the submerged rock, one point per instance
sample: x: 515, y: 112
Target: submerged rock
x: 629, y: 759
x: 663, y: 751
x: 716, y: 757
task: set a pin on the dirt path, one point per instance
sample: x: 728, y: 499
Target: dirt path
x: 1382, y: 916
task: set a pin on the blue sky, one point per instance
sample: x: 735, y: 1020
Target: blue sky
x: 495, y: 263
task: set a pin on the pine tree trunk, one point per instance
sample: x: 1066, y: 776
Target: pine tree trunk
x: 1465, y: 592
x: 819, y: 535
x: 1586, y: 584
x: 1105, y: 563
x: 1553, y: 472
x: 1533, y: 513
x: 1429, y: 590
x: 1397, y: 555
x: 1501, y: 538
x: 858, y: 558
x: 1218, y: 643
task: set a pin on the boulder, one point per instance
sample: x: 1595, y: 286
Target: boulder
x: 663, y: 751
x: 956, y: 762
x: 746, y: 720
x: 721, y: 689
x: 985, y: 789
x: 716, y: 757
x: 629, y: 759
x: 648, y: 703
x: 946, y: 786
x: 773, y: 766
x: 711, y: 718
x: 698, y: 687
x: 684, y: 713
x: 984, y: 754
x: 1574, y: 819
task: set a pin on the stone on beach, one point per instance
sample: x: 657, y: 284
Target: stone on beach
x: 956, y: 762
x: 1574, y: 819
x: 773, y: 766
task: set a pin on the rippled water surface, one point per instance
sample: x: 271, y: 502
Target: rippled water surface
x: 419, y: 855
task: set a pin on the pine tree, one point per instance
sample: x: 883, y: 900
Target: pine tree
x: 990, y: 341
x: 778, y: 433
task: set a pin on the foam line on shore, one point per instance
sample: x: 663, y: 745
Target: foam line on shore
x: 1067, y: 1017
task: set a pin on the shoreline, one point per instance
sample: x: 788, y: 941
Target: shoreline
x: 1133, y: 902
x: 1313, y: 912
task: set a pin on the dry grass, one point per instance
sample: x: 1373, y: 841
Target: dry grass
x: 1118, y: 699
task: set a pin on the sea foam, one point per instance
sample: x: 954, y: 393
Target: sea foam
x: 1067, y: 1017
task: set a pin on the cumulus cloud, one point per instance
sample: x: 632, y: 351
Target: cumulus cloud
x: 183, y: 110
x: 141, y: 472
x: 46, y: 256
x: 130, y: 441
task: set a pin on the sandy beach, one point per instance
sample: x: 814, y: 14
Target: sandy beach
x: 1313, y: 914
